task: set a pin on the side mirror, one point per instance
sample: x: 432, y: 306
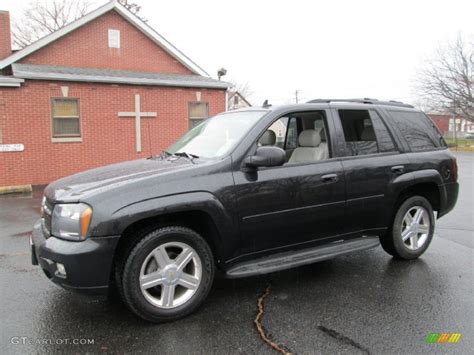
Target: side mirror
x: 265, y: 156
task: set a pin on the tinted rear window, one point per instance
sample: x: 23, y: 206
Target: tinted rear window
x: 418, y: 130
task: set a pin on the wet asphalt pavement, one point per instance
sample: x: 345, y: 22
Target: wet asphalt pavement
x: 366, y: 302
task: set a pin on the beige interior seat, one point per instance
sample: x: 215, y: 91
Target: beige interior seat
x: 319, y: 125
x: 367, y: 143
x: 368, y: 134
x: 309, y: 147
x: 268, y: 138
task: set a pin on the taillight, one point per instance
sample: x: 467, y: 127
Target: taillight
x: 454, y: 169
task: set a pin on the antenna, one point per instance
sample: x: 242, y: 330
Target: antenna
x: 266, y: 104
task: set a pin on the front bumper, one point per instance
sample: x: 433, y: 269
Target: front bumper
x: 88, y: 263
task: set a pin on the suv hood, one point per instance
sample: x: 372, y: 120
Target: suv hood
x: 75, y: 187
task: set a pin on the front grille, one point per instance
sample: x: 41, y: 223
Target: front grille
x: 47, y: 212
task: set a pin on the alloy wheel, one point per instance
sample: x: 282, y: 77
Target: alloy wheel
x: 415, y: 227
x: 170, y: 275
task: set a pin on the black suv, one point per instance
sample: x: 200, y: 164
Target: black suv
x: 248, y: 192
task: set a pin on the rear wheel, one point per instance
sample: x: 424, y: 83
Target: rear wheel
x: 168, y: 274
x: 412, y: 229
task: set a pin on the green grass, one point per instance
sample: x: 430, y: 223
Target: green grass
x: 466, y: 145
x: 461, y: 142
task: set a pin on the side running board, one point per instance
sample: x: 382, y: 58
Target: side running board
x: 292, y: 259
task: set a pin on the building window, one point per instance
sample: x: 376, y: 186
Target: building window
x: 66, y: 119
x: 236, y: 100
x: 114, y: 38
x: 198, y: 112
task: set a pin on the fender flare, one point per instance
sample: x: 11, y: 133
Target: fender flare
x: 408, y: 180
x: 201, y: 201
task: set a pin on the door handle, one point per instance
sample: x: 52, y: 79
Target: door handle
x: 398, y: 169
x: 329, y: 178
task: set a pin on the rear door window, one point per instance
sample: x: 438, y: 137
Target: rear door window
x: 384, y: 138
x: 365, y: 133
x: 417, y: 129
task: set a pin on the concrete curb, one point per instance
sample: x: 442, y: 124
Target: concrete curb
x: 15, y: 189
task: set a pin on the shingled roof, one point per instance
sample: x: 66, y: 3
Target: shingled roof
x: 48, y: 72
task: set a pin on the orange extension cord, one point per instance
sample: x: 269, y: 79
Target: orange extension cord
x: 261, y: 330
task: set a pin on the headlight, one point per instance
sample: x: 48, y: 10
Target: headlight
x: 71, y: 221
x: 43, y: 202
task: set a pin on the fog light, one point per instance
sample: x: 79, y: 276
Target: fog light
x: 60, y: 270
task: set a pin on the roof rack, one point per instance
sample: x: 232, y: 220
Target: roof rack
x: 362, y: 101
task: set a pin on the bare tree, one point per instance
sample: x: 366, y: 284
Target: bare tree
x: 42, y: 18
x: 243, y: 88
x: 134, y: 8
x: 446, y: 82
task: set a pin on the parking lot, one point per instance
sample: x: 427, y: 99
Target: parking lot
x: 366, y: 302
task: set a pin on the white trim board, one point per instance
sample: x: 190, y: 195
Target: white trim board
x: 10, y: 81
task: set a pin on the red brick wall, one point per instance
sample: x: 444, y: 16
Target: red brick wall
x: 87, y: 47
x: 5, y: 36
x: 106, y: 137
x: 441, y: 121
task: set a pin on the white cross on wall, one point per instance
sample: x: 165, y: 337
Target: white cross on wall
x: 138, y: 115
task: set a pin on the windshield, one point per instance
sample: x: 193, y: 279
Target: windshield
x: 216, y: 136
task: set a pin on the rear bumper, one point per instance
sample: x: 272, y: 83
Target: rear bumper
x: 88, y: 263
x: 448, y: 203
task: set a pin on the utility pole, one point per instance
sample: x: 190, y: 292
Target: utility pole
x: 296, y: 95
x: 455, y: 127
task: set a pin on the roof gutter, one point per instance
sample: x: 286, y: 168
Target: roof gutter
x: 8, y: 81
x: 118, y: 80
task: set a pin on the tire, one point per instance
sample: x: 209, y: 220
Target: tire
x: 167, y: 274
x: 122, y: 254
x: 417, y: 237
x: 386, y: 243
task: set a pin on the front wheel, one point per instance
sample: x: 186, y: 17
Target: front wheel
x: 412, y: 229
x: 168, y: 274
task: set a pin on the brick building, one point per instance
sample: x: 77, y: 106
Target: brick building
x: 103, y: 89
x: 445, y: 123
x: 441, y: 121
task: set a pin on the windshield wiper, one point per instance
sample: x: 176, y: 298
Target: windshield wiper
x: 189, y: 156
x: 164, y: 154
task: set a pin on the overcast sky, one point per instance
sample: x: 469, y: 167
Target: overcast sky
x: 323, y: 49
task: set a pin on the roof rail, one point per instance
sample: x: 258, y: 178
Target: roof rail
x: 361, y: 101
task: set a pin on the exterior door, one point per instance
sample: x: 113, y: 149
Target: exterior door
x: 291, y: 205
x: 372, y: 160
